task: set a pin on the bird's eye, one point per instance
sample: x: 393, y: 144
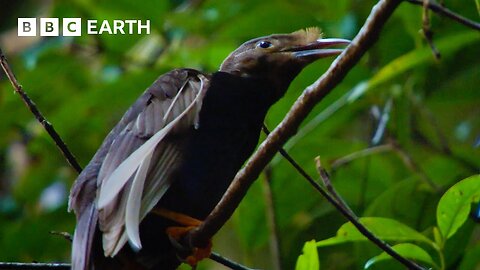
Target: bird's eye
x: 264, y: 44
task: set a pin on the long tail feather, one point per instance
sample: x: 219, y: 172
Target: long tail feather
x: 132, y: 211
x: 82, y: 239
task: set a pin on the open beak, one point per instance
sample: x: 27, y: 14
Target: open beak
x: 320, y: 48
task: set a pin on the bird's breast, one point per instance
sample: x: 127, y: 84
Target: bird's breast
x: 229, y: 129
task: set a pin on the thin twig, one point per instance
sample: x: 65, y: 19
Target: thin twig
x: 427, y: 30
x: 35, y: 266
x: 337, y: 201
x: 65, y: 266
x: 38, y: 115
x: 272, y: 219
x: 380, y: 119
x: 362, y: 229
x: 432, y: 121
x: 359, y: 154
x: 65, y: 235
x: 383, y: 119
x: 421, y: 138
x: 75, y: 165
x: 227, y: 262
x: 441, y: 10
x: 364, y: 181
x: 331, y: 189
x: 413, y: 165
x: 288, y: 127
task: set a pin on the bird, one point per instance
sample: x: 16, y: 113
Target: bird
x: 173, y: 154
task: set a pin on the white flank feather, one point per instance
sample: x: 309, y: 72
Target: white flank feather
x: 119, y: 177
x: 139, y: 203
x: 119, y: 245
x: 132, y: 212
x: 156, y: 189
x: 169, y: 110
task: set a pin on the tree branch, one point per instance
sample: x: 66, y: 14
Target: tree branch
x: 337, y: 201
x: 441, y: 10
x: 38, y: 115
x: 360, y: 154
x: 75, y: 165
x: 271, y: 217
x: 66, y: 266
x: 227, y: 262
x: 427, y: 30
x: 288, y: 127
x: 34, y: 266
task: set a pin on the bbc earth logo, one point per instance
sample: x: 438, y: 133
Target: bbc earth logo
x: 50, y: 27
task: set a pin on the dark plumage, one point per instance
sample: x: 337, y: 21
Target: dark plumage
x: 178, y: 147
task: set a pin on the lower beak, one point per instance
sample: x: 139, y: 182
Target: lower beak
x: 320, y: 48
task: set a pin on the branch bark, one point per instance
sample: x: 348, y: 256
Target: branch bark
x: 441, y: 10
x: 38, y: 115
x: 75, y: 165
x: 66, y: 266
x: 34, y: 266
x: 288, y: 127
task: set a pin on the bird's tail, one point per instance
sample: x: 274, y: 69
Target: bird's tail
x: 83, y: 239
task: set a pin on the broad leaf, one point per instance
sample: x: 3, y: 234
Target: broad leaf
x: 384, y: 228
x: 309, y: 259
x: 447, y: 46
x: 407, y: 250
x: 454, y: 206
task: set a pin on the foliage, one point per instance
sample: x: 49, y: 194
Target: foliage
x: 452, y: 212
x: 409, y: 194
x: 309, y: 259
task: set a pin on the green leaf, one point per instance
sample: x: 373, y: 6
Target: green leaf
x: 309, y: 259
x: 401, y: 199
x: 407, y: 250
x: 454, y: 206
x: 470, y: 259
x: 447, y: 46
x: 384, y: 228
x: 437, y: 236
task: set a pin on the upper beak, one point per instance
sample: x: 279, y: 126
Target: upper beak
x: 319, y: 48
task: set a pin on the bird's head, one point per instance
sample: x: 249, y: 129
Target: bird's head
x: 280, y: 57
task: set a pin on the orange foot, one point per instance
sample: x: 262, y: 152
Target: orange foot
x: 178, y: 232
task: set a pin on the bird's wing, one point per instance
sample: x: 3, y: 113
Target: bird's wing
x: 130, y: 172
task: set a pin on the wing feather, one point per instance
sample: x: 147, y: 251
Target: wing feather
x: 114, y: 183
x: 155, y: 189
x: 131, y: 171
x: 81, y: 250
x: 132, y: 212
x: 128, y: 179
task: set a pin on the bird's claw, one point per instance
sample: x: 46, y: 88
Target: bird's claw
x: 188, y: 255
x: 176, y: 234
x: 199, y: 254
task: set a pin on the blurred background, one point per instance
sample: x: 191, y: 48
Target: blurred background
x: 395, y: 134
